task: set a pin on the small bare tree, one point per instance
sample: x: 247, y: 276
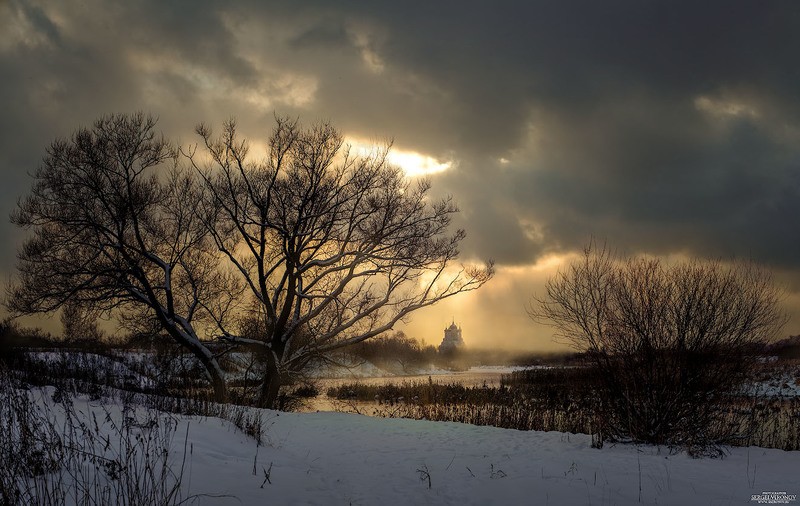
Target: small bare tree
x: 672, y: 342
x: 333, y: 248
x: 79, y: 324
x: 114, y: 229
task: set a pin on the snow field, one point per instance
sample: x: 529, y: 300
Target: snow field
x: 336, y: 458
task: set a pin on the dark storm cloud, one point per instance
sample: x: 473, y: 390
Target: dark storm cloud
x: 662, y: 126
x: 626, y: 149
x: 65, y: 65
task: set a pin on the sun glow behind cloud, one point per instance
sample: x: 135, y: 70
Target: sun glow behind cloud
x: 723, y: 107
x: 416, y: 164
x: 413, y: 163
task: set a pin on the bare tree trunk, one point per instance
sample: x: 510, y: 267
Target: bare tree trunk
x: 210, y: 364
x: 271, y: 384
x: 217, y: 379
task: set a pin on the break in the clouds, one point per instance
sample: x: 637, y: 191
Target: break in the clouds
x: 660, y: 126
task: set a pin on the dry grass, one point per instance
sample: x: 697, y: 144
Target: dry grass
x: 52, y: 453
x: 559, y: 399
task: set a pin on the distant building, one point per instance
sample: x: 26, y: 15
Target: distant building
x: 452, y: 339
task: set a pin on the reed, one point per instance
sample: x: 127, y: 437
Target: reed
x: 557, y: 399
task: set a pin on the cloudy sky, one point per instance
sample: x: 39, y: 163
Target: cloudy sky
x: 662, y: 127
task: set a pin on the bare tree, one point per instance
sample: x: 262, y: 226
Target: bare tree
x: 333, y: 248
x: 672, y: 342
x: 79, y: 324
x: 114, y: 229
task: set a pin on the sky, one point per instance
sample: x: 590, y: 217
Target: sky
x: 660, y: 127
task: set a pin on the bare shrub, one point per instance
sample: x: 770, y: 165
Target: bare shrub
x: 673, y: 342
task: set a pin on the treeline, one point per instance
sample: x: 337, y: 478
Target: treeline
x: 395, y: 351
x: 17, y: 337
x: 389, y: 351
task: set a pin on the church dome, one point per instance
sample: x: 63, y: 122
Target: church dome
x: 452, y: 338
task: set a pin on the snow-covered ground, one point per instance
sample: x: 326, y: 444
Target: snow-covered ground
x: 783, y: 382
x: 334, y: 458
x: 342, y: 459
